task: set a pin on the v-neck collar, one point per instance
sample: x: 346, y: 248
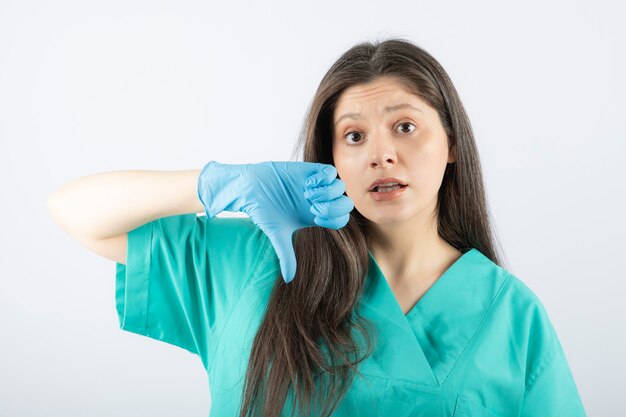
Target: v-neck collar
x: 424, y: 345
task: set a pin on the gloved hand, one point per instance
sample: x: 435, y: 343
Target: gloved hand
x: 279, y: 197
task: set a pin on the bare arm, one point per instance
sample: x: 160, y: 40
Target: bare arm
x: 100, y: 209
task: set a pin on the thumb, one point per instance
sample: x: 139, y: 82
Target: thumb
x: 283, y: 245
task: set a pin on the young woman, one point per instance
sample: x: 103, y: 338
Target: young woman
x: 398, y: 305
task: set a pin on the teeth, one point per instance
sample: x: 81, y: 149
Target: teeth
x: 391, y: 184
x: 382, y: 189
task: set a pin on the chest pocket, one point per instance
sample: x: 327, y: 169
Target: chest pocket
x: 466, y: 407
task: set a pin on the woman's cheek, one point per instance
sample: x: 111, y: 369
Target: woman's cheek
x: 348, y: 189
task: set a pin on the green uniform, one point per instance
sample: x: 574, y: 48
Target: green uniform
x: 478, y: 343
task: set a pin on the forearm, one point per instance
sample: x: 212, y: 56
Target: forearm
x: 108, y: 204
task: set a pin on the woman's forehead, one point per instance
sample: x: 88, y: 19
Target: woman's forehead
x: 382, y: 92
x: 379, y: 100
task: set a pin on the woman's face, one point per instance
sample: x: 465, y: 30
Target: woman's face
x: 402, y: 142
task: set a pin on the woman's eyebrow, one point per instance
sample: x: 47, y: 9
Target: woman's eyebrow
x: 388, y: 109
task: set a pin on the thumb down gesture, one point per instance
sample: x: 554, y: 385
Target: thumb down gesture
x: 279, y: 197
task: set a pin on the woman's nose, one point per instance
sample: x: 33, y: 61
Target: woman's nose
x: 383, y: 152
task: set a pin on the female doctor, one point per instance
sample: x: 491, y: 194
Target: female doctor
x: 364, y: 281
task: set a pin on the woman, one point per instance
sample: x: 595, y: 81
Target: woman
x: 405, y: 311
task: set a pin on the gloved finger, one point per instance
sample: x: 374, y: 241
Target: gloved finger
x: 323, y: 177
x: 332, y: 223
x: 282, y: 242
x: 334, y: 208
x: 325, y: 192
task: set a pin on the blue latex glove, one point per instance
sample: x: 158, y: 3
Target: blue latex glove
x: 279, y: 197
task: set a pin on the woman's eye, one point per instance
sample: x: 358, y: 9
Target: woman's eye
x: 406, y: 123
x: 350, y: 133
x: 357, y: 133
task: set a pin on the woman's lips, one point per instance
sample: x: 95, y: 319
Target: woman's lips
x: 388, y: 195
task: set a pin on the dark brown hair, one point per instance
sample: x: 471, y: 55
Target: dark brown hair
x: 304, y: 348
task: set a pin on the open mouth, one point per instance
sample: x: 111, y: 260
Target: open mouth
x: 383, y: 189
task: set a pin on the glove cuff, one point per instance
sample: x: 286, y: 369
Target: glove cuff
x: 220, y: 187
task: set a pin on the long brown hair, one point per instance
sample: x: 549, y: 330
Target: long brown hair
x: 304, y: 344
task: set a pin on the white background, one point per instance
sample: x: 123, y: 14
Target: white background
x: 88, y: 87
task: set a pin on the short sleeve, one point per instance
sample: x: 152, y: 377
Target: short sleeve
x: 183, y: 276
x: 550, y: 388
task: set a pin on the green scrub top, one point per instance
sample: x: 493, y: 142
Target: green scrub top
x: 478, y: 342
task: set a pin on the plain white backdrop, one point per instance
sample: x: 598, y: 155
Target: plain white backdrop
x: 88, y: 87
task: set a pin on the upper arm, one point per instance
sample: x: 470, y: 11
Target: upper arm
x: 183, y: 276
x: 553, y: 392
x: 550, y: 389
x: 113, y: 248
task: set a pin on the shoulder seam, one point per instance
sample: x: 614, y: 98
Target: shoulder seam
x: 540, y: 371
x: 550, y: 357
